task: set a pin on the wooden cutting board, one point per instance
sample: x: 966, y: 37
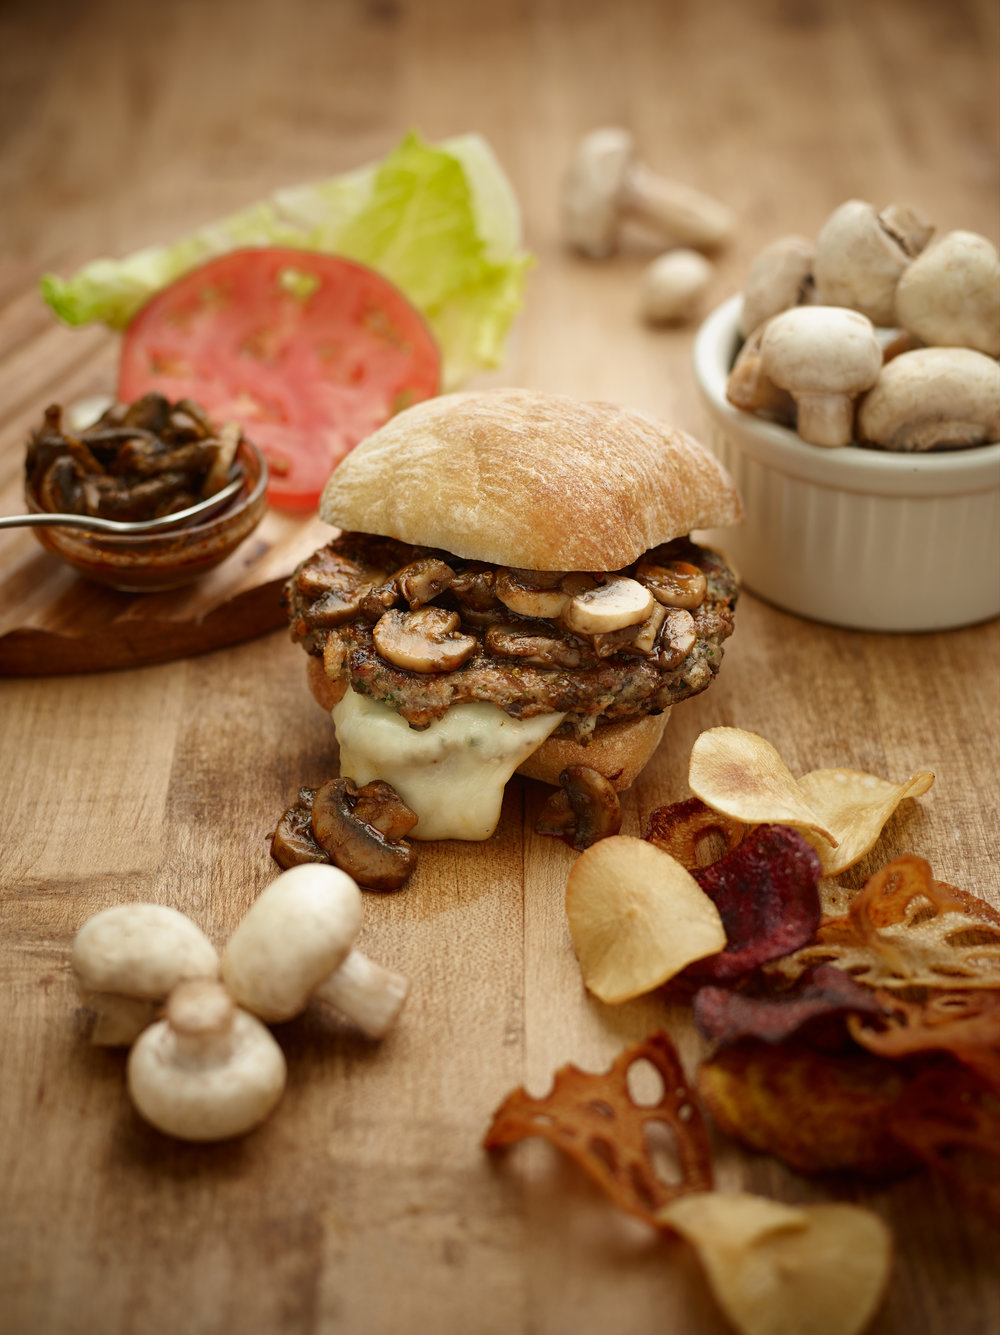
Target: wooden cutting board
x: 52, y: 621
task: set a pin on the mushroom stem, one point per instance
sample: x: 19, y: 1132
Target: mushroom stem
x: 200, y: 1013
x: 367, y: 993
x: 826, y: 419
x: 679, y: 212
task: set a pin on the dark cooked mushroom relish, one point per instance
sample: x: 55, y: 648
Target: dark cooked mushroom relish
x: 137, y: 461
x: 526, y: 665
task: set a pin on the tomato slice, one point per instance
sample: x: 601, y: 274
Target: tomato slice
x: 309, y: 353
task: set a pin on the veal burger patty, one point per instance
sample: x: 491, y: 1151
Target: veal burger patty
x: 524, y: 665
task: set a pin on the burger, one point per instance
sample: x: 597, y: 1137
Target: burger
x: 513, y: 589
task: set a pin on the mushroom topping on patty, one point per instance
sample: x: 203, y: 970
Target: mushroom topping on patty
x: 425, y: 641
x: 675, y: 584
x: 611, y: 606
x: 531, y: 593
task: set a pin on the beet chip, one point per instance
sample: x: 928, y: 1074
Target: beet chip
x: 724, y: 1016
x: 817, y: 1111
x: 596, y: 1121
x: 951, y: 1120
x: 765, y: 891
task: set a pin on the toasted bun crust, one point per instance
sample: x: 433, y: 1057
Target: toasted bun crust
x: 619, y: 751
x: 536, y: 481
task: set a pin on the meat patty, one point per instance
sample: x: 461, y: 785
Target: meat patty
x: 526, y: 665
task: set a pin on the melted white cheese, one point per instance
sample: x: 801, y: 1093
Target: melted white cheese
x: 453, y: 773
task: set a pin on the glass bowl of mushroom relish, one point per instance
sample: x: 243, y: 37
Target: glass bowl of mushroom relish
x: 854, y: 534
x: 136, y: 462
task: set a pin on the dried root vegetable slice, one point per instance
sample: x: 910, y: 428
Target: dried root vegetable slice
x: 765, y: 891
x: 951, y: 1121
x: 816, y: 1111
x: 856, y: 807
x: 905, y: 930
x: 964, y: 1024
x: 780, y: 1270
x: 841, y: 811
x: 724, y: 1016
x: 742, y: 775
x: 596, y: 1121
x: 637, y: 918
x: 688, y: 830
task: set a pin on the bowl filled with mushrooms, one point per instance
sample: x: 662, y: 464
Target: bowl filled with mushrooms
x: 148, y: 497
x: 853, y: 391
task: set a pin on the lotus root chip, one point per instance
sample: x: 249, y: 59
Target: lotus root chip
x: 595, y: 1119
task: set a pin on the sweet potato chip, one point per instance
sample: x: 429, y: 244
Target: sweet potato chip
x: 964, y: 1024
x: 742, y: 775
x: 780, y: 1270
x: 597, y: 1122
x: 690, y: 829
x: 951, y: 1120
x: 765, y: 891
x: 817, y: 1111
x: 724, y: 1016
x: 637, y: 918
x: 855, y: 806
x: 905, y: 930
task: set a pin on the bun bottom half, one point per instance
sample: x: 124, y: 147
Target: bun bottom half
x: 620, y: 751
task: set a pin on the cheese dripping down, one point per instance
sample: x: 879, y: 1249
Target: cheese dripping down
x: 452, y: 773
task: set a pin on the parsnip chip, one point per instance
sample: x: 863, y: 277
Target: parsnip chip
x: 817, y: 1111
x: 780, y: 1270
x: 856, y: 807
x: 596, y: 1121
x: 742, y: 775
x: 637, y: 918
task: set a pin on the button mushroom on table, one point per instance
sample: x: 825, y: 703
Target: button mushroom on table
x: 127, y: 959
x: 606, y: 184
x: 207, y: 1071
x: 296, y: 943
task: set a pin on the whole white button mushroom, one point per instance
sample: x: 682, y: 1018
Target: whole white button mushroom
x: 208, y: 1070
x: 779, y: 277
x: 825, y: 357
x: 296, y: 942
x: 673, y: 286
x: 127, y: 958
x: 860, y: 255
x: 950, y: 295
x: 933, y: 398
x: 605, y: 184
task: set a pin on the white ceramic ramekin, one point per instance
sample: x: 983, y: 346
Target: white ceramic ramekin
x: 854, y: 537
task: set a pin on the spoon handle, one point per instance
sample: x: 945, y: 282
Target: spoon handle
x: 125, y: 527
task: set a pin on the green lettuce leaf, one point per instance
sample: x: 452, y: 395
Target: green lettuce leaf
x: 439, y: 221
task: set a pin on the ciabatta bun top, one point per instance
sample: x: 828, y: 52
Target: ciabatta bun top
x: 531, y: 480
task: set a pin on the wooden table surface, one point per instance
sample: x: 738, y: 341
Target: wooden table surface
x: 366, y: 1204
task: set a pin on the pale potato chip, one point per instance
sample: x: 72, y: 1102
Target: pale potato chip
x: 637, y: 918
x: 855, y: 806
x: 743, y: 776
x: 781, y: 1270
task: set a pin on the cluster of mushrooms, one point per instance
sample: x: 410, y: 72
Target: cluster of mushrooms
x: 607, y: 186
x: 875, y: 334
x: 203, y: 1066
x: 138, y: 461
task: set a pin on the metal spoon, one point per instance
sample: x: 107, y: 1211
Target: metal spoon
x: 126, y: 527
